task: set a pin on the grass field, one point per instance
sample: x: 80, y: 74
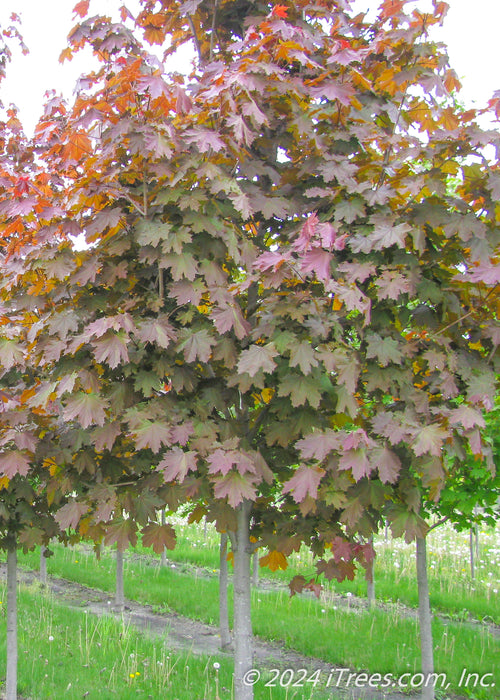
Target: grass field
x: 333, y: 628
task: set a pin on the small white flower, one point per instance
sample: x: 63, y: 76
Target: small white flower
x: 216, y: 665
x: 51, y: 638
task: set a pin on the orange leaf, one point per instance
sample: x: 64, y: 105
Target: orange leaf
x: 66, y: 55
x: 79, y: 146
x: 274, y: 560
x: 280, y: 11
x: 81, y: 8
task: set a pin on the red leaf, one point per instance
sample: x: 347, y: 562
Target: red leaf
x: 151, y: 435
x: 387, y: 463
x: 160, y: 537
x: 235, y: 487
x: 358, y: 462
x: 319, y: 445
x: 89, y: 409
x: 14, y: 462
x: 429, y: 439
x: 176, y: 464
x: 257, y: 357
x: 111, y: 349
x: 304, y: 483
x: 123, y: 532
x: 70, y: 514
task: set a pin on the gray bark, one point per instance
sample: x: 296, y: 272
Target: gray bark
x: 255, y: 569
x: 471, y: 553
x: 225, y: 633
x: 11, y: 680
x: 119, y: 592
x: 370, y: 583
x: 243, y: 644
x: 424, y: 616
x: 163, y: 559
x: 43, y: 566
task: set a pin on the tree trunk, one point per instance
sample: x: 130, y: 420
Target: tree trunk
x: 370, y: 583
x: 163, y: 559
x: 471, y: 553
x: 11, y: 681
x: 243, y: 651
x: 225, y: 633
x: 119, y: 593
x: 424, y: 615
x: 255, y: 569
x: 43, y: 565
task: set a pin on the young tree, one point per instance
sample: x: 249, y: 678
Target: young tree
x: 283, y: 312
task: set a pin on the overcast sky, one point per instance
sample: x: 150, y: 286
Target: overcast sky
x: 471, y: 33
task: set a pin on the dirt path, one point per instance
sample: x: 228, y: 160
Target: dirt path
x: 185, y: 634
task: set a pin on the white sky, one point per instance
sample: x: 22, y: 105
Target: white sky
x: 471, y: 33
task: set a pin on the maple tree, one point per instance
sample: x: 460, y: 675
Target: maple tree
x: 284, y: 313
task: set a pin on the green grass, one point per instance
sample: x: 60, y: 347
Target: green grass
x: 71, y: 654
x: 453, y: 592
x: 339, y: 636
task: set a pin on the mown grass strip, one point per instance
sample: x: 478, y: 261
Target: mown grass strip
x: 376, y: 641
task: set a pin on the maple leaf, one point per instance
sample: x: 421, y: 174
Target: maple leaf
x: 429, y: 440
x: 235, y: 487
x: 81, y: 8
x: 176, y: 464
x: 197, y: 346
x: 152, y: 435
x: 304, y: 483
x: 339, y: 570
x: 386, y: 349
x: 257, y: 357
x: 352, y: 513
x: 204, y: 139
x: 280, y: 11
x: 467, y: 416
x: 300, y: 389
x: 302, y: 355
x: 70, y: 514
x: 488, y: 274
x: 226, y: 319
x: 387, y: 463
x: 123, y: 531
x: 342, y: 549
x: 14, y: 462
x: 88, y: 408
x: 274, y: 560
x: 222, y: 461
x: 318, y: 445
x: 11, y: 353
x: 111, y: 349
x: 78, y: 146
x: 30, y: 538
x: 356, y: 460
x: 160, y: 537
x: 317, y: 261
x: 158, y: 331
x: 104, y: 438
x: 299, y: 584
x: 403, y: 522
